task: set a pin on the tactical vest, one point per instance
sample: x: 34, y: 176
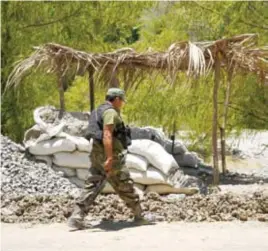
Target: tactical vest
x: 95, y: 127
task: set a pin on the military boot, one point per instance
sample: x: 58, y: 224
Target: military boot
x: 77, y: 219
x: 138, y: 217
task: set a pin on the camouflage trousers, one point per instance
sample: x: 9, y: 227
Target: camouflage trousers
x: 119, y: 179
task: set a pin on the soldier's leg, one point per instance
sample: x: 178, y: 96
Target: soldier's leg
x: 124, y: 186
x: 93, y: 185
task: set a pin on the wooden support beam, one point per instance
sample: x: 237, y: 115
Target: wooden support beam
x: 215, y: 120
x: 61, y: 96
x: 225, y: 117
x: 91, y: 89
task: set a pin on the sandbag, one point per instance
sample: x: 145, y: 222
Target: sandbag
x: 72, y: 160
x: 158, y: 136
x: 49, y: 147
x: 150, y: 133
x: 167, y: 189
x: 151, y: 176
x: 136, y: 162
x: 82, y: 173
x: 154, y: 153
x: 68, y: 172
x: 138, y: 189
x: 179, y: 147
x: 82, y: 144
x: 188, y: 159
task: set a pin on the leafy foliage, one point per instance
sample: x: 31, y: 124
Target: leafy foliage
x: 105, y: 26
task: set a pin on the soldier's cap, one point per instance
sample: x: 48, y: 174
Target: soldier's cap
x: 116, y: 92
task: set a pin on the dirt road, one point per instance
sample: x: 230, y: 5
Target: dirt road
x: 229, y: 236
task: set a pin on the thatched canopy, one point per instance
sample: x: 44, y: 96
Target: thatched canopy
x: 236, y: 54
x: 193, y: 58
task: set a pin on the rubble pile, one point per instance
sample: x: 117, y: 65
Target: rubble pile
x: 21, y: 176
x: 196, y: 208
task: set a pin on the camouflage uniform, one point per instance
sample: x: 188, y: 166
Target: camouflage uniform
x: 119, y: 179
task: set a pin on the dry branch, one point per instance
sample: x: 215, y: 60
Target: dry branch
x: 194, y: 58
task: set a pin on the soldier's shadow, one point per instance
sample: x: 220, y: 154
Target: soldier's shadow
x: 108, y: 226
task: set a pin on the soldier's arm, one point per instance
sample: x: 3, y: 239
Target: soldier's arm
x: 108, y: 141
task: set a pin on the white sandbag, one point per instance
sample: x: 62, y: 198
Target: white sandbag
x: 82, y: 144
x: 45, y: 159
x: 152, y: 176
x: 32, y: 134
x: 157, y: 135
x: 188, y: 159
x: 68, y: 172
x: 73, y: 160
x: 167, y: 189
x: 82, y: 173
x: 136, y: 162
x: 49, y: 147
x: 154, y: 153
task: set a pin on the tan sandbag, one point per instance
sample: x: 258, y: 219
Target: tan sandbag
x: 167, y: 189
x: 52, y: 146
x: 109, y: 189
x: 151, y: 176
x: 154, y: 153
x: 72, y: 160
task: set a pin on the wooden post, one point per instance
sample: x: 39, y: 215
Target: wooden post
x: 215, y: 120
x: 224, y: 122
x: 91, y: 88
x: 61, y: 95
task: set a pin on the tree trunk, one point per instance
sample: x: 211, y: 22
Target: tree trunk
x: 91, y: 89
x: 215, y: 120
x: 225, y: 116
x: 61, y: 95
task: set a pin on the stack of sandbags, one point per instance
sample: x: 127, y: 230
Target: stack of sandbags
x: 161, y: 168
x: 183, y: 157
x: 60, y: 144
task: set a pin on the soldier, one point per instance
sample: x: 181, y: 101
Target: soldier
x: 110, y: 141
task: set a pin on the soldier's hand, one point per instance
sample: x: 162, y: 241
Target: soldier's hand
x: 108, y: 166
